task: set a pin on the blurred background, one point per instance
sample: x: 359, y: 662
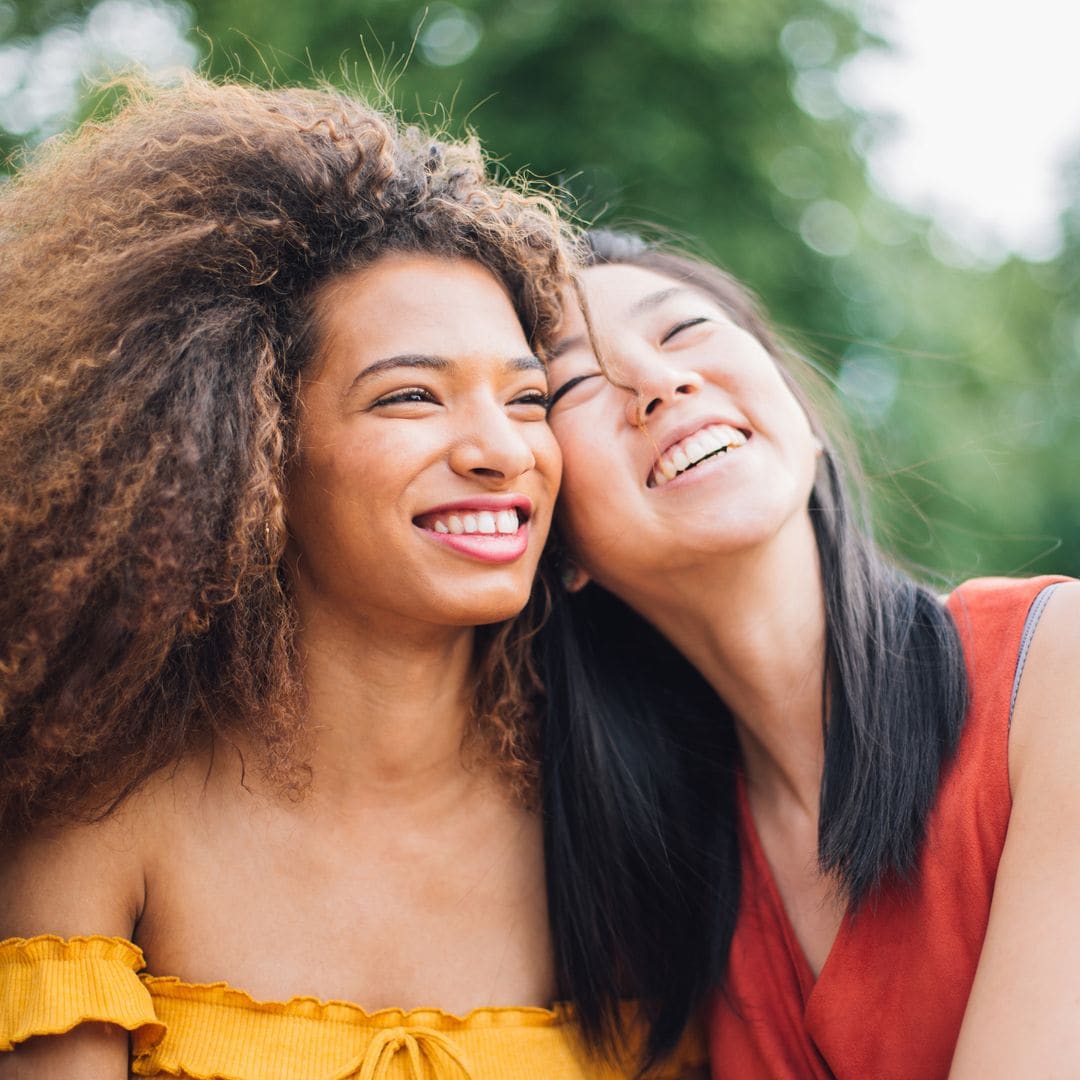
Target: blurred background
x: 898, y: 179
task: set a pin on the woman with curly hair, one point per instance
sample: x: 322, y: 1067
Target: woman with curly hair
x: 274, y: 479
x: 896, y: 770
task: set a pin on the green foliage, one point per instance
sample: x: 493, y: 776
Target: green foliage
x: 963, y: 385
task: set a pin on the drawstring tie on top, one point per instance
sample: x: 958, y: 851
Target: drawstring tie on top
x: 417, y: 1042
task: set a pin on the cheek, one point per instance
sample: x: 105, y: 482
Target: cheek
x: 588, y: 507
x: 597, y: 476
x: 549, y: 457
x: 797, y: 443
x: 330, y: 494
x: 577, y: 476
x: 802, y: 437
x: 773, y: 406
x: 327, y: 477
x: 584, y: 440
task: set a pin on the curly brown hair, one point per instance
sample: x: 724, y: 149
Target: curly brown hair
x: 156, y: 286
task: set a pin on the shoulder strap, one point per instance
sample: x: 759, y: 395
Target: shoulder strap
x: 1038, y: 605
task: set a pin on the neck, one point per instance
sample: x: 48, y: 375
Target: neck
x: 753, y: 624
x: 387, y: 708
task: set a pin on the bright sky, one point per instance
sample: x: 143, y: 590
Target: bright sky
x: 987, y: 104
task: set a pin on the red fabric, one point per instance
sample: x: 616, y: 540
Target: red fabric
x: 890, y: 997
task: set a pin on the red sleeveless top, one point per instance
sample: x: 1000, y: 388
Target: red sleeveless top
x: 890, y: 997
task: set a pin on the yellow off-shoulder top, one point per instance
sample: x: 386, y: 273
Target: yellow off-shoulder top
x: 49, y: 985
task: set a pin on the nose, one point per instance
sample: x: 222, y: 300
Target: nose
x: 493, y: 447
x: 655, y: 382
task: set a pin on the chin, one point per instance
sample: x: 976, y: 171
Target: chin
x: 484, y: 607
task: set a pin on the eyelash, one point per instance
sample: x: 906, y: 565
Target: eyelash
x: 566, y: 386
x: 413, y: 395
x: 417, y: 395
x: 684, y: 325
x: 534, y: 397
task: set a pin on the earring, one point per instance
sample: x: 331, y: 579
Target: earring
x: 819, y: 447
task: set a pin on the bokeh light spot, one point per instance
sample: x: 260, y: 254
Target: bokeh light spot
x: 807, y: 43
x: 830, y: 228
x: 449, y: 35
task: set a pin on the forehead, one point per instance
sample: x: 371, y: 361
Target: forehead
x: 409, y: 303
x: 618, y: 292
x: 619, y: 288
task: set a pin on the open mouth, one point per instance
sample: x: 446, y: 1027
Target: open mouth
x: 708, y: 442
x: 474, y: 522
x: 491, y: 533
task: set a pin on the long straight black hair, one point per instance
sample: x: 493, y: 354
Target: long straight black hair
x: 640, y: 754
x: 638, y: 832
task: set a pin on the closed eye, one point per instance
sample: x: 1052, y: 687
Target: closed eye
x: 678, y: 328
x: 568, y: 386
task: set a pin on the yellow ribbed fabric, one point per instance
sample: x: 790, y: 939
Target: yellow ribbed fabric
x: 213, y: 1032
x: 49, y: 985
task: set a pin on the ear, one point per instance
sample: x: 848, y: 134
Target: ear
x: 573, y: 578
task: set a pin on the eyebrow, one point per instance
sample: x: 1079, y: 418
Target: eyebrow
x: 437, y: 363
x: 565, y: 346
x: 645, y: 303
x: 654, y: 300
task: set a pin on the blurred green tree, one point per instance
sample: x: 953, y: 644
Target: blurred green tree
x: 721, y: 125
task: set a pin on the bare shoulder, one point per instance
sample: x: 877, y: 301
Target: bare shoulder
x: 95, y: 877
x: 85, y: 878
x: 1020, y: 1018
x: 92, y: 879
x: 1041, y: 733
x: 72, y: 879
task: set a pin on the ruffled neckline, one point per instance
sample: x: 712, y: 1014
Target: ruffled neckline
x: 223, y: 995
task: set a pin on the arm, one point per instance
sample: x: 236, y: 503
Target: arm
x: 77, y: 881
x: 1021, y: 1018
x: 90, y: 1052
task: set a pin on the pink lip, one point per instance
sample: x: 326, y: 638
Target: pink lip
x: 486, y: 547
x: 698, y: 473
x: 494, y: 503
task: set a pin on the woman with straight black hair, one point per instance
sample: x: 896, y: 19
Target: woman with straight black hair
x: 894, y: 849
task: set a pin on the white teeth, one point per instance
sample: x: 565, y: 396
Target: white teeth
x: 484, y: 522
x: 694, y: 448
x: 506, y: 521
x: 709, y: 443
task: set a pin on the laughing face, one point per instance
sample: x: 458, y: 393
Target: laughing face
x: 692, y: 446
x: 425, y: 476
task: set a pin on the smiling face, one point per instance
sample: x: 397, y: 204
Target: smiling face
x: 693, y: 447
x: 425, y: 474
